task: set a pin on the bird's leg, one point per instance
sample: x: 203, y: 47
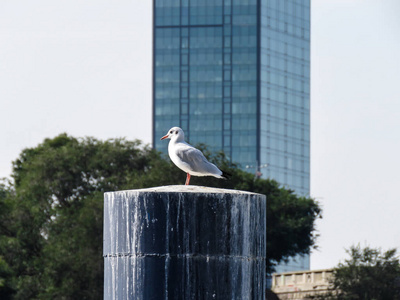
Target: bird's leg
x: 187, y: 179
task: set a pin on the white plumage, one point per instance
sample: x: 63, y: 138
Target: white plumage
x: 189, y: 159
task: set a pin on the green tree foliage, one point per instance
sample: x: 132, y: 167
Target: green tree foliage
x: 5, y: 223
x: 51, y: 216
x: 369, y: 274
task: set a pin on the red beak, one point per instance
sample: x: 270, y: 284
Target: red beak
x: 164, y: 137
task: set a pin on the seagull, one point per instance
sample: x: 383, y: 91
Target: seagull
x: 188, y: 158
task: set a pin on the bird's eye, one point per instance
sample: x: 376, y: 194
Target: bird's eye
x: 176, y: 132
x: 170, y: 132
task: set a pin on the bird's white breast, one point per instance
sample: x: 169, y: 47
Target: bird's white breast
x: 173, y: 149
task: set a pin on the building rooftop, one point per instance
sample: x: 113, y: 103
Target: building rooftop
x: 301, y: 284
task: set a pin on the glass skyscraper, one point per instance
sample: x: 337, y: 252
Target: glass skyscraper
x: 235, y: 75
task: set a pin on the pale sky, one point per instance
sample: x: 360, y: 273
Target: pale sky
x: 84, y: 67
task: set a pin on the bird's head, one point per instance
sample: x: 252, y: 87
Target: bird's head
x: 175, y: 134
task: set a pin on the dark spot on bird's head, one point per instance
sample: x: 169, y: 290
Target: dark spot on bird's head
x: 171, y: 132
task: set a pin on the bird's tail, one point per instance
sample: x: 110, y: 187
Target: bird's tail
x: 226, y: 175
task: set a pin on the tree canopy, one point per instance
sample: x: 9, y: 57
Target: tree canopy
x: 51, y: 212
x: 369, y: 274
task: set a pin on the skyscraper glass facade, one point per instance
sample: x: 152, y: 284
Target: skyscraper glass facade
x: 235, y: 75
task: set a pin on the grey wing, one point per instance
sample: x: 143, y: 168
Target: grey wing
x: 196, y: 161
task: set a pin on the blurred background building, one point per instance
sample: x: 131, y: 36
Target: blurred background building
x: 235, y: 75
x: 302, y: 284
